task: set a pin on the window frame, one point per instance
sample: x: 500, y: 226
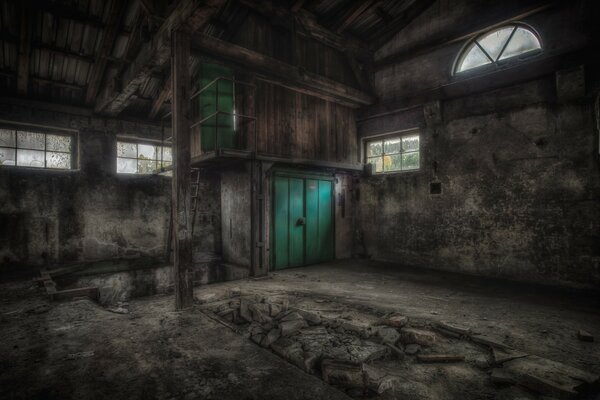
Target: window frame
x: 400, y: 134
x: 32, y: 128
x: 497, y: 64
x: 139, y: 141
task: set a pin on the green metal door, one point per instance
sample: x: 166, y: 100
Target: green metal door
x: 296, y: 222
x: 218, y: 96
x: 302, y: 221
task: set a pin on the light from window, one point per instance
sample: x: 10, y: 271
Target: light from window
x: 141, y: 158
x: 35, y: 149
x: 394, y: 153
x: 501, y: 44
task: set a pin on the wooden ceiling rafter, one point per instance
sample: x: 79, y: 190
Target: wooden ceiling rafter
x: 190, y: 15
x: 24, y: 48
x: 109, y: 37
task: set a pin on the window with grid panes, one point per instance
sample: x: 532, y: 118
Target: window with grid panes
x: 30, y: 148
x: 142, y: 158
x: 393, y: 153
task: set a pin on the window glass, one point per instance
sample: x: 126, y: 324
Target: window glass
x: 500, y: 44
x: 474, y: 58
x: 25, y: 148
x: 142, y: 158
x: 394, y: 153
x: 522, y: 42
x: 493, y: 42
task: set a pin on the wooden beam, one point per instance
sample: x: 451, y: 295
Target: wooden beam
x: 472, y: 27
x: 382, y: 36
x: 163, y: 95
x: 310, y: 27
x: 279, y: 72
x: 357, y: 9
x: 298, y: 4
x: 24, y: 49
x: 181, y: 201
x: 109, y: 36
x: 188, y: 15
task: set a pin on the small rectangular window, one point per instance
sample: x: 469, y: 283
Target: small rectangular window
x: 394, y: 153
x: 142, y: 158
x: 28, y: 148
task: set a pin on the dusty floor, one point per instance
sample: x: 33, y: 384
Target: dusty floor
x: 79, y: 349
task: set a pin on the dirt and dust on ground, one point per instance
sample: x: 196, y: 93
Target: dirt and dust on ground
x: 304, y: 334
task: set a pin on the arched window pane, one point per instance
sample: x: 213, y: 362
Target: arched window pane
x: 494, y: 42
x: 521, y: 42
x: 474, y: 58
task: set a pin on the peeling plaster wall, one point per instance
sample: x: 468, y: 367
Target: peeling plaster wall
x: 518, y: 164
x: 89, y: 214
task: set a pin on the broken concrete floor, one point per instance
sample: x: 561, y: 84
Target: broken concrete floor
x: 366, y: 329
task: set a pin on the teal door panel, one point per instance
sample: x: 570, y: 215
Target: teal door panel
x: 296, y: 222
x: 281, y: 215
x: 312, y: 221
x: 325, y: 221
x: 303, y: 222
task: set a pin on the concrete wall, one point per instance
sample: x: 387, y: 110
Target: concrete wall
x: 49, y: 217
x: 89, y: 214
x: 517, y: 158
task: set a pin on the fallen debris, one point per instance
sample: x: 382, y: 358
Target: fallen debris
x: 395, y: 320
x: 439, y: 358
x: 585, y: 336
x: 418, y: 336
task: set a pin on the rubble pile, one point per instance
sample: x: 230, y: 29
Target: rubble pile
x: 350, y: 353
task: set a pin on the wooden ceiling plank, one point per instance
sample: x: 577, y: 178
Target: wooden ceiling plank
x: 109, y: 37
x: 382, y: 36
x: 358, y: 8
x: 24, y: 50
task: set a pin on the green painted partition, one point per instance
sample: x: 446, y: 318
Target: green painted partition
x: 303, y: 221
x: 217, y: 97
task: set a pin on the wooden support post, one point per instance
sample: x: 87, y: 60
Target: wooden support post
x: 181, y: 200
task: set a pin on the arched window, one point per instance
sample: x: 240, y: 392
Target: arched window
x: 498, y: 45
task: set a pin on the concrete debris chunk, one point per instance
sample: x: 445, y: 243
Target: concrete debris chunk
x: 585, y: 336
x: 313, y: 318
x: 387, y: 335
x: 258, y: 338
x: 118, y: 310
x: 292, y: 316
x: 501, y: 376
x: 395, y: 320
x: 504, y: 355
x: 490, y: 342
x: 310, y: 361
x: 412, y: 349
x: 275, y: 309
x: 289, y: 327
x: 439, y: 358
x: 271, y: 337
x: 245, y: 310
x: 260, y: 312
x: 343, y: 374
x: 460, y: 330
x: 418, y: 336
x: 550, y: 378
x: 366, y: 351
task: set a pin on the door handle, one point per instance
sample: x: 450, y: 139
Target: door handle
x: 301, y: 221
